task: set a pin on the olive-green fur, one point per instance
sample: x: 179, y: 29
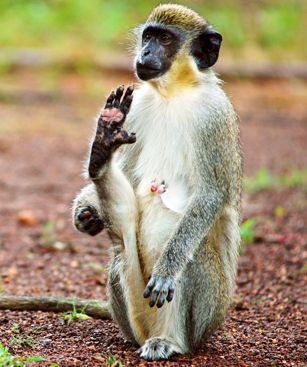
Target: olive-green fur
x: 178, y: 16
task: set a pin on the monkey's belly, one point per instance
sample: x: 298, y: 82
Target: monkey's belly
x: 157, y: 224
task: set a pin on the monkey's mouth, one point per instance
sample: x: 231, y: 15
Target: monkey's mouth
x: 147, y: 72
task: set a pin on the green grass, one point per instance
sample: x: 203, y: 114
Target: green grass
x: 78, y: 27
x: 20, y: 339
x: 97, y: 267
x: 9, y: 360
x: 1, y: 286
x: 75, y: 316
x: 48, y: 237
x: 264, y: 181
x: 247, y: 231
x: 112, y: 361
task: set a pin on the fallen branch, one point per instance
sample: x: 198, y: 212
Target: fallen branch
x: 93, y: 308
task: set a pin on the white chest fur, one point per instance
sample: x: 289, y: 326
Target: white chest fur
x: 166, y: 154
x: 166, y: 149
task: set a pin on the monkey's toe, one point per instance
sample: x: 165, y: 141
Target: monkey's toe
x: 84, y: 214
x: 88, y: 221
x: 156, y: 348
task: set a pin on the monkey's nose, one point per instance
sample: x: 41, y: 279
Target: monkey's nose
x: 146, y: 52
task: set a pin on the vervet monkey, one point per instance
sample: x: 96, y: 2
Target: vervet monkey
x: 170, y: 196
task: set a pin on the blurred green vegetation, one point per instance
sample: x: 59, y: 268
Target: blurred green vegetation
x: 269, y: 29
x: 265, y: 181
x: 247, y: 231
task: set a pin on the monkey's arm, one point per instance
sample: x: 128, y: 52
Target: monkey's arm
x: 100, y: 203
x: 206, y: 205
x: 192, y: 229
x: 110, y: 133
x: 108, y: 202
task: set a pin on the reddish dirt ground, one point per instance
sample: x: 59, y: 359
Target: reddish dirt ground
x: 44, y: 132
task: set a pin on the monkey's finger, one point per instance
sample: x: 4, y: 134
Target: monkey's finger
x: 130, y: 139
x: 122, y: 137
x: 162, y: 298
x: 118, y: 96
x: 149, y: 287
x: 128, y: 93
x: 129, y: 90
x: 170, y: 295
x: 153, y: 298
x: 110, y: 100
x: 156, y: 292
x: 126, y: 103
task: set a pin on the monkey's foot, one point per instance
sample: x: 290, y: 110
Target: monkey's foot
x: 87, y: 220
x: 157, y: 348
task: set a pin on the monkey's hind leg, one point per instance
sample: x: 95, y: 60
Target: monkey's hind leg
x: 198, y: 308
x: 117, y: 300
x: 125, y: 288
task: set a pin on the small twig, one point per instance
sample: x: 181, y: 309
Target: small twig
x: 93, y: 308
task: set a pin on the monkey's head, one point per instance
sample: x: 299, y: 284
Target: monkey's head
x: 175, y: 33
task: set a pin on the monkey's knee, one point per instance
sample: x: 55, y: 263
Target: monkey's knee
x: 87, y: 220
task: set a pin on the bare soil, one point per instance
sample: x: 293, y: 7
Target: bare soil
x: 45, y: 123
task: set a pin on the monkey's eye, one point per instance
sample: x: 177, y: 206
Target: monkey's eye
x: 146, y: 37
x: 165, y: 38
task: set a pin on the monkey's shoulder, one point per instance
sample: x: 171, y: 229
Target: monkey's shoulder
x: 217, y: 107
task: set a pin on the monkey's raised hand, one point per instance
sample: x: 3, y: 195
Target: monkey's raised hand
x: 160, y: 288
x: 110, y: 133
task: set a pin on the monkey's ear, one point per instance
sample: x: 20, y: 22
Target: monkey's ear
x: 206, y: 47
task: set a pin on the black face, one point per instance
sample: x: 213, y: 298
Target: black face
x: 159, y: 47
